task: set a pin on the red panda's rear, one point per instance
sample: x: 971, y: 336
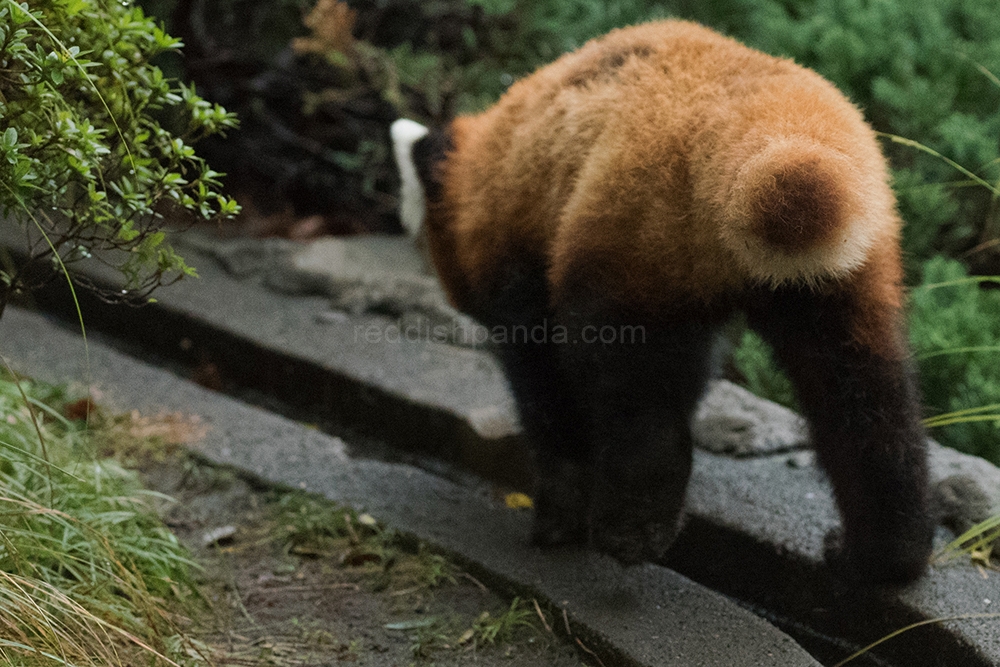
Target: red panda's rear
x: 660, y: 177
x: 668, y: 138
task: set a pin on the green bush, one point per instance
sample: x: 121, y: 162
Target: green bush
x: 88, y: 161
x: 544, y: 30
x: 500, y: 41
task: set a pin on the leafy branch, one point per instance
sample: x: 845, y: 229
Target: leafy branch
x: 95, y: 144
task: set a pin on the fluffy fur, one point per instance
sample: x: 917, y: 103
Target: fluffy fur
x: 658, y: 179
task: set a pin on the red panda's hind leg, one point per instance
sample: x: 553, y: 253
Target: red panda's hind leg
x: 863, y: 411
x: 638, y: 385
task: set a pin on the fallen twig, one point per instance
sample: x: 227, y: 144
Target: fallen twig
x: 541, y: 616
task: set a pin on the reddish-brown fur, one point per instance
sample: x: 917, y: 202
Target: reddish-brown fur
x: 660, y: 120
x: 666, y: 175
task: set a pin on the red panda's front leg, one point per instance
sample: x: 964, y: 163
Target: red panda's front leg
x: 511, y: 298
x: 555, y: 427
x: 854, y: 383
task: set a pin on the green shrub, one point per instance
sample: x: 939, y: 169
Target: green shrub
x: 955, y: 330
x: 544, y: 30
x: 500, y: 40
x: 759, y: 372
x: 87, y: 162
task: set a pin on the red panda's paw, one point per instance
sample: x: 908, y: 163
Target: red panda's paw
x: 634, y: 544
x: 551, y: 529
x: 561, y: 502
x: 637, y: 510
x: 633, y: 531
x: 884, y: 564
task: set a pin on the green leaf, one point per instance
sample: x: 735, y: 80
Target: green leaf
x: 10, y: 138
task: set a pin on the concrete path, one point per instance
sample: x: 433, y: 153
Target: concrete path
x: 645, y: 615
x: 323, y: 328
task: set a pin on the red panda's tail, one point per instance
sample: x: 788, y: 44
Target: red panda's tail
x: 799, y: 212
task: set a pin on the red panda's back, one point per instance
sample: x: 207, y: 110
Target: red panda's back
x: 626, y: 163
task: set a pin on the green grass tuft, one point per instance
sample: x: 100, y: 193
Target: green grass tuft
x: 88, y: 573
x: 753, y: 359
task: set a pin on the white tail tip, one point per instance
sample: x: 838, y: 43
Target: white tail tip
x: 404, y: 134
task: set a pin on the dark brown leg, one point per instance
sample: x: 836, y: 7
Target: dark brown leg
x: 555, y: 428
x: 638, y: 388
x: 863, y: 410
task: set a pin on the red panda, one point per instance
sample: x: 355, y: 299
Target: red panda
x: 653, y: 182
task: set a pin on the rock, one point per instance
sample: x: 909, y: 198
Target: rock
x: 731, y: 420
x: 960, y: 503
